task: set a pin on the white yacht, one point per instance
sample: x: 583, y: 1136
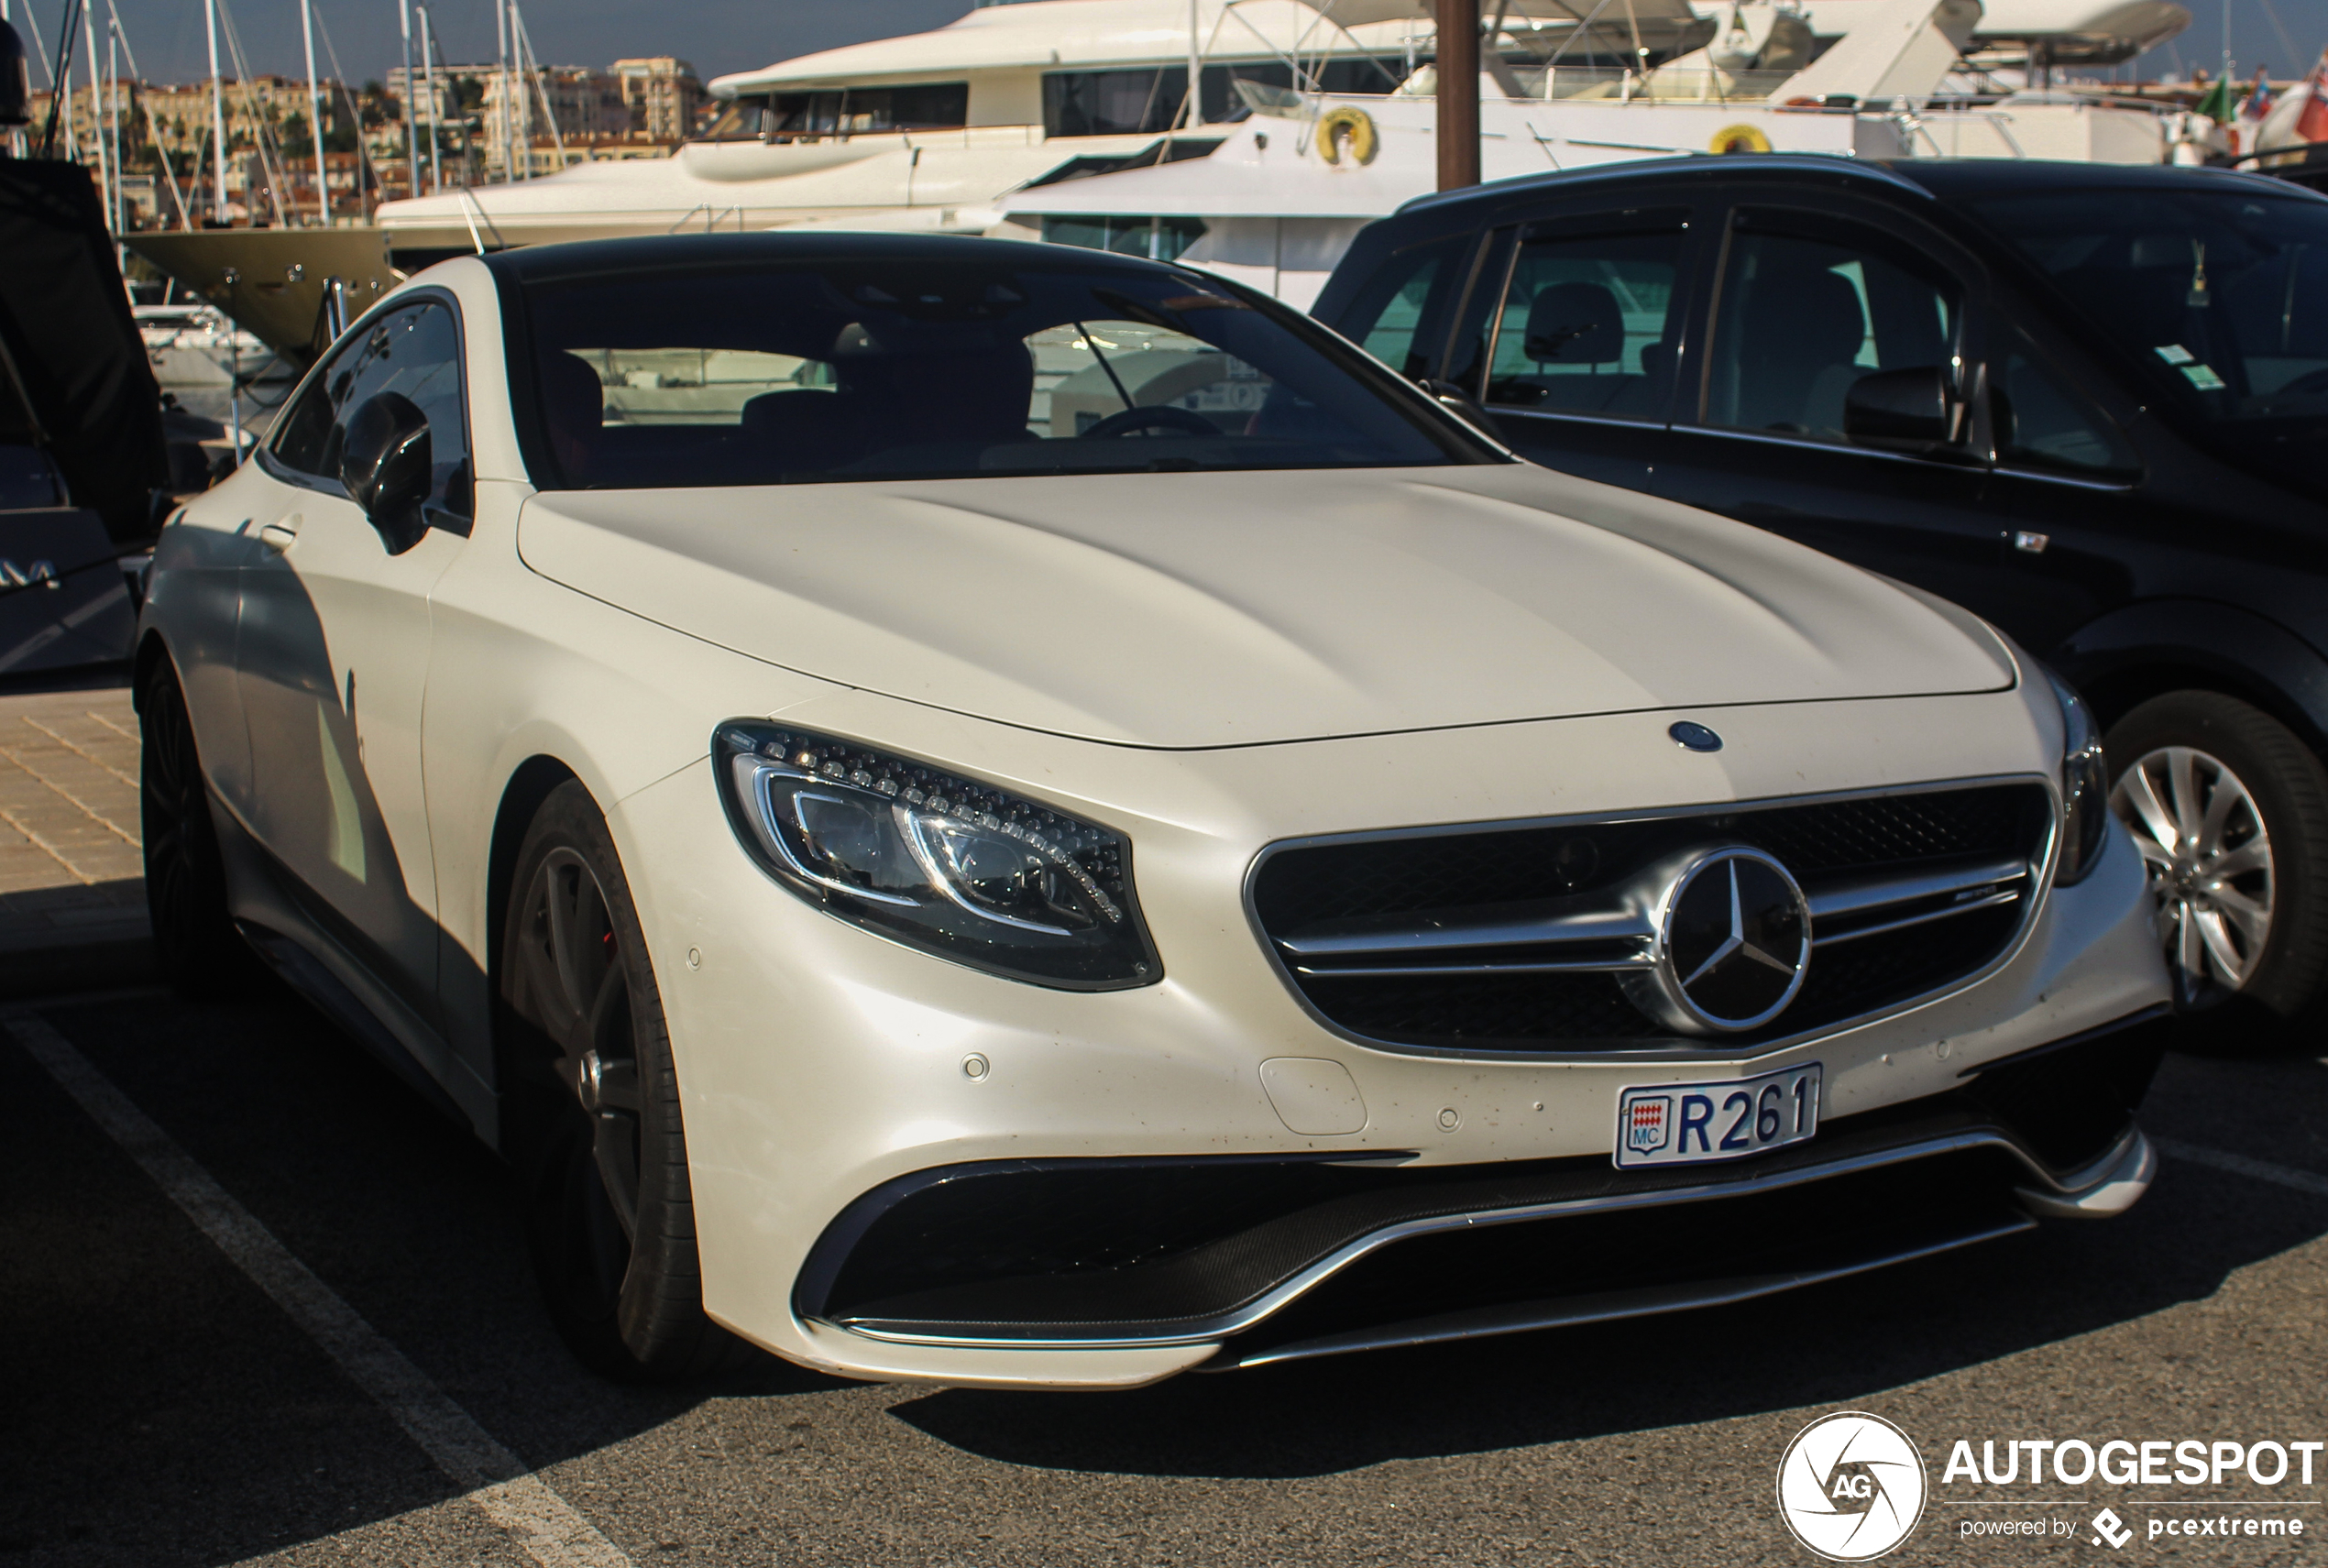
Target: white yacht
x: 1278, y: 201
x: 985, y: 125
x: 195, y: 346
x: 925, y: 132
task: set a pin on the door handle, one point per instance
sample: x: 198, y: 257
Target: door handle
x: 279, y: 536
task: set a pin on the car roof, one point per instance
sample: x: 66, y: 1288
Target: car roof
x: 1819, y: 166
x: 1949, y: 179
x: 599, y: 258
x: 1956, y: 179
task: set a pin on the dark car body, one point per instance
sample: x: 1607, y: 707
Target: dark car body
x: 2167, y: 557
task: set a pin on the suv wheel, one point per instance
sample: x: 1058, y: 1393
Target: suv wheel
x: 593, y: 1106
x: 2230, y: 812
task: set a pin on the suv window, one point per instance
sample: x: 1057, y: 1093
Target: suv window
x: 2218, y: 294
x: 416, y: 351
x: 1808, y: 306
x: 2043, y: 423
x: 1589, y: 324
x: 1403, y: 306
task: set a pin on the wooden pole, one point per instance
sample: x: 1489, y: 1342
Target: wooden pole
x: 1458, y: 93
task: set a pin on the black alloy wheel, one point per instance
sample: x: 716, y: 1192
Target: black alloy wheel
x: 592, y: 1108
x: 2229, y: 810
x: 196, y: 946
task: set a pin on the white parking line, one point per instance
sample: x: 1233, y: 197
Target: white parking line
x: 544, y: 1524
x: 2240, y: 1165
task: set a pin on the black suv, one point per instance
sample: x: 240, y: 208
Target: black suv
x: 2089, y: 403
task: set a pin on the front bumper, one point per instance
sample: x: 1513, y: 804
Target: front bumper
x: 1274, y: 1260
x: 821, y: 1064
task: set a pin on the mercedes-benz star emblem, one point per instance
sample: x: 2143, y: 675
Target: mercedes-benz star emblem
x: 1733, y: 944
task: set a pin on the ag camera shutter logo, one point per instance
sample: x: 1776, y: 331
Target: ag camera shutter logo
x: 1851, y: 1486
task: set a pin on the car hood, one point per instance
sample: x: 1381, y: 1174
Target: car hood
x: 1186, y: 610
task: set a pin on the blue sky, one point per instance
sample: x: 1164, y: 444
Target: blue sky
x: 717, y: 35
x: 735, y: 35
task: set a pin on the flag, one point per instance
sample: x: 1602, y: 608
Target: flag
x: 2300, y: 116
x: 2215, y: 102
x: 2247, y: 127
x: 2258, y: 102
x: 2311, y: 125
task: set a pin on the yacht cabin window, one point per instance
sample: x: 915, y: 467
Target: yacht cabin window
x: 845, y: 110
x: 1149, y: 99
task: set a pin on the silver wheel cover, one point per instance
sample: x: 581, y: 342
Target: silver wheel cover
x: 2209, y: 860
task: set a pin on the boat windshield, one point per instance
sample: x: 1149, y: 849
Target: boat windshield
x: 2221, y: 295
x: 830, y: 371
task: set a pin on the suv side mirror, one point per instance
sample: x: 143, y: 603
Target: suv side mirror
x: 1904, y: 410
x: 385, y: 463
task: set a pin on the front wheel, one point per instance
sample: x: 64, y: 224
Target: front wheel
x: 196, y: 946
x: 593, y: 1108
x: 2230, y: 812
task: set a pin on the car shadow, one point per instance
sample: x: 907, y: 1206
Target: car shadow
x: 165, y: 1412
x: 161, y: 1409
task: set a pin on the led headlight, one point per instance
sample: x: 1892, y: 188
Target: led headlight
x: 2085, y: 786
x: 943, y: 863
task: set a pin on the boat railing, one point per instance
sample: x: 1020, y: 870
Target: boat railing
x: 712, y: 217
x: 472, y: 213
x: 1666, y: 84
x: 1997, y: 120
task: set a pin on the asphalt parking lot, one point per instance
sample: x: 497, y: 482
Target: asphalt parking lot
x: 163, y: 1408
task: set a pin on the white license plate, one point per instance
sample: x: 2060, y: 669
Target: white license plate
x: 1690, y: 1123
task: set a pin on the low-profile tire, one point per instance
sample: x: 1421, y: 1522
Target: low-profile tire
x: 591, y: 1103
x: 196, y: 946
x: 2230, y: 811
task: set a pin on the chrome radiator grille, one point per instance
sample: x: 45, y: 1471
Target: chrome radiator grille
x: 1536, y: 937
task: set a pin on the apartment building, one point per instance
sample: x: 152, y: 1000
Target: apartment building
x: 664, y: 96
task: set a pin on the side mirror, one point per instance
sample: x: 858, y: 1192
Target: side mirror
x: 1904, y: 410
x: 385, y: 463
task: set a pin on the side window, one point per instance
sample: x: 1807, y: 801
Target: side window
x: 1590, y: 323
x: 415, y: 352
x: 1403, y: 306
x: 300, y: 433
x: 2043, y: 423
x: 1806, y: 308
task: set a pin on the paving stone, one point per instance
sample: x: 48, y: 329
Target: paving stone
x: 70, y: 861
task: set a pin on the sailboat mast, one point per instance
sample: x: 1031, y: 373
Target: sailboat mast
x: 412, y: 128
x: 96, y: 105
x: 315, y: 116
x: 217, y: 114
x: 501, y: 108
x: 1196, y: 72
x: 113, y: 125
x: 428, y: 78
x: 15, y: 133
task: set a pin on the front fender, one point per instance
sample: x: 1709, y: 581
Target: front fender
x: 2159, y: 645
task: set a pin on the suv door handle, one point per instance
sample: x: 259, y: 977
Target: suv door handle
x: 279, y: 536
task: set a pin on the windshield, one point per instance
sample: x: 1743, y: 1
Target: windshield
x: 825, y: 371
x: 2223, y: 295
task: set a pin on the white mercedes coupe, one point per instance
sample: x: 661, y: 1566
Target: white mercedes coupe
x: 1005, y: 814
